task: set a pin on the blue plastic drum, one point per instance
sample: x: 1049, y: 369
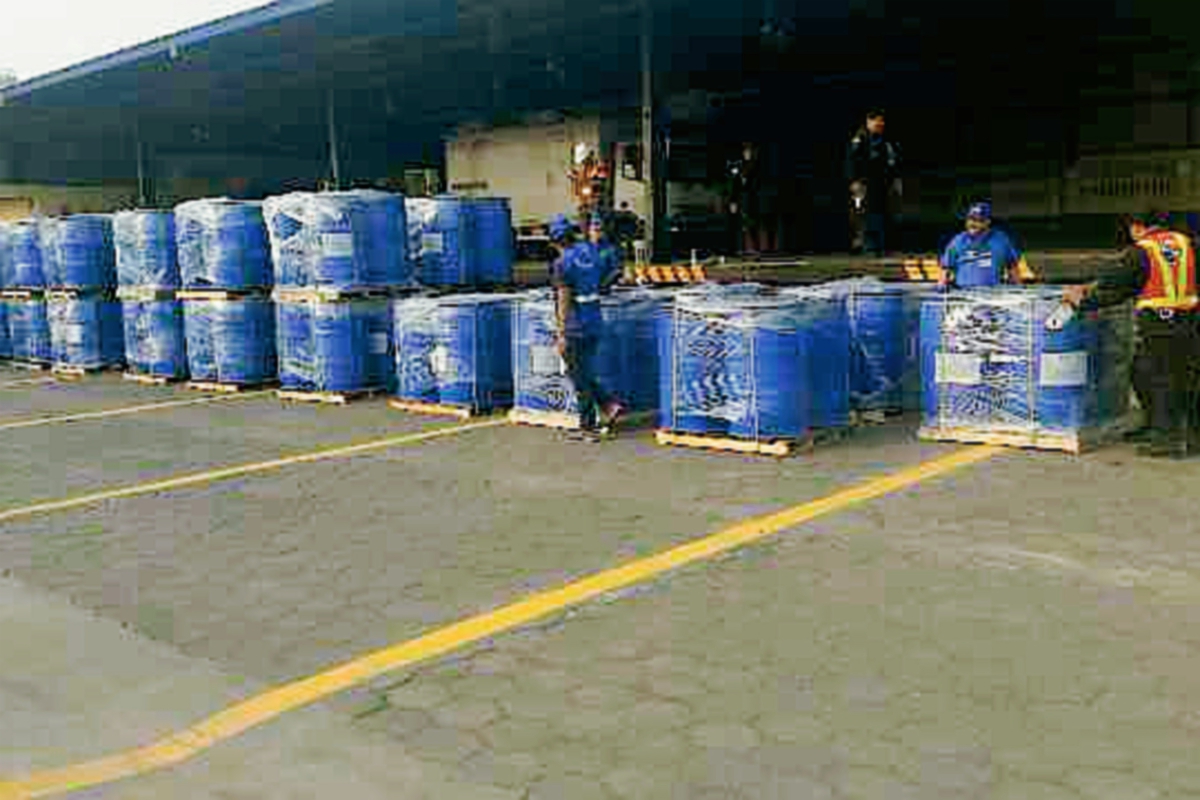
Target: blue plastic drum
x: 231, y: 341
x: 154, y: 339
x: 146, y: 253
x: 86, y: 332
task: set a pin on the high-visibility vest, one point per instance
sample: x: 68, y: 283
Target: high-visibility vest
x: 1172, y: 280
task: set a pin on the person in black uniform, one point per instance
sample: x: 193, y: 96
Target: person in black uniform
x: 873, y: 169
x: 1160, y: 271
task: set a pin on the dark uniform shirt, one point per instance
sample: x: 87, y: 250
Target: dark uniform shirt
x: 1124, y: 279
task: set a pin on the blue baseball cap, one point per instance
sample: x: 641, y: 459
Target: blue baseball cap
x: 560, y: 226
x: 980, y: 211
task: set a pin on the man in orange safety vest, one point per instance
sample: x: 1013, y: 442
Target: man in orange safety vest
x: 1160, y: 271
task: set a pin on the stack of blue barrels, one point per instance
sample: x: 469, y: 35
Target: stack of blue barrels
x: 339, y: 258
x: 738, y: 365
x: 148, y: 284
x: 455, y: 351
x: 458, y: 242
x: 627, y: 363
x: 225, y: 271
x: 830, y: 356
x: 5, y: 277
x: 25, y: 294
x: 83, y: 315
x: 989, y: 364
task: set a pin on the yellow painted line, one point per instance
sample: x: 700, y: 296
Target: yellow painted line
x: 267, y: 706
x: 124, y: 411
x: 225, y: 473
x: 27, y: 382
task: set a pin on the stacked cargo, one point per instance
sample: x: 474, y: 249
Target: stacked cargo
x: 626, y: 364
x: 995, y: 371
x: 225, y: 271
x: 148, y: 284
x: 24, y: 295
x: 6, y: 353
x: 750, y: 370
x: 339, y: 258
x: 83, y: 315
x: 461, y: 243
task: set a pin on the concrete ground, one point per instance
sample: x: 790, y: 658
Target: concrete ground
x: 1018, y: 629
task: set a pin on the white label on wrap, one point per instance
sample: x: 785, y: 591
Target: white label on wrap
x: 337, y: 245
x: 546, y: 361
x: 1064, y: 369
x: 959, y: 368
x: 439, y: 361
x: 75, y: 335
x: 431, y: 243
x: 379, y: 343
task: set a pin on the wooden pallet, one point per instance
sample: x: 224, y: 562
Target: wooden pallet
x: 1073, y: 443
x: 227, y: 388
x: 433, y: 409
x: 567, y: 421
x: 23, y: 294
x: 213, y: 295
x: 150, y: 380
x: 331, y: 398
x: 322, y: 294
x: 73, y: 372
x: 145, y: 294
x: 780, y: 448
x: 32, y: 366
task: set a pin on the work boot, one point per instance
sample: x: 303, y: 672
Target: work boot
x: 1157, y: 445
x: 1137, y: 435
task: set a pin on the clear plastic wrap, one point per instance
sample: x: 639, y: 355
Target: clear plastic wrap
x: 5, y: 255
x: 29, y: 329
x: 27, y: 267
x: 333, y: 346
x: 77, y: 252
x: 344, y: 240
x: 455, y: 350
x: 231, y: 341
x: 222, y: 244
x: 990, y: 364
x: 737, y: 364
x: 5, y: 337
x: 144, y: 243
x: 443, y: 232
x: 154, y: 340
x: 85, y: 332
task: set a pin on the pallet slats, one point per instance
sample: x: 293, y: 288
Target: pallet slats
x: 319, y: 294
x: 564, y: 420
x: 1073, y: 443
x: 433, y: 409
x: 74, y: 372
x: 150, y: 380
x: 226, y: 388
x: 778, y: 447
x: 212, y: 295
x: 330, y: 398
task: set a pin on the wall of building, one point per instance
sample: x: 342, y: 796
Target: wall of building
x: 527, y: 164
x: 18, y: 200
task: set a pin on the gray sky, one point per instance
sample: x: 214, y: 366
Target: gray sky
x: 39, y: 36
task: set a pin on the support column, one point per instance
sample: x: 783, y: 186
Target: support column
x: 334, y: 163
x: 646, y: 126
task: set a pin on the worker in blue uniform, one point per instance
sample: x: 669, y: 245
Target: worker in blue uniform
x: 982, y: 255
x: 586, y: 271
x: 562, y: 233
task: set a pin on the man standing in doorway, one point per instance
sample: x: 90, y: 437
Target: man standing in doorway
x: 873, y: 169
